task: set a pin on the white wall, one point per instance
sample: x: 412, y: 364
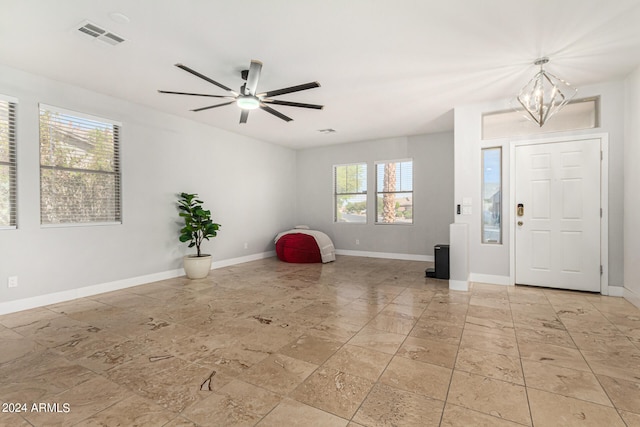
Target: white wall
x: 248, y: 185
x: 631, y: 186
x: 433, y: 194
x: 491, y: 262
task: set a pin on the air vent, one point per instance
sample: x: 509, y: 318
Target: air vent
x: 100, y: 34
x: 326, y: 131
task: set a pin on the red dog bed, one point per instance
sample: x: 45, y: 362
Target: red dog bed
x: 298, y: 248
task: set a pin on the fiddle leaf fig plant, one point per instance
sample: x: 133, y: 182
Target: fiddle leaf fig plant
x: 198, y: 225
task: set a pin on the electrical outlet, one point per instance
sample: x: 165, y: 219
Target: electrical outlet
x: 12, y: 282
x: 357, y: 241
x: 246, y: 245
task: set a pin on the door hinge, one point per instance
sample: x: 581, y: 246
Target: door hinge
x: 601, y: 271
x: 600, y: 212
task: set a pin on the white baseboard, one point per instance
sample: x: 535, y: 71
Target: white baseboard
x: 489, y: 278
x: 386, y: 255
x: 241, y: 260
x: 87, y: 291
x: 629, y: 295
x: 616, y: 291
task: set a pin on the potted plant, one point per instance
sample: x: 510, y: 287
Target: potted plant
x: 198, y: 226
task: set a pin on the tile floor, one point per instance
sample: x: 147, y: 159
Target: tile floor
x: 358, y: 342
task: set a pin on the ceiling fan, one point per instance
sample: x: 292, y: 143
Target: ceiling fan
x: 248, y: 99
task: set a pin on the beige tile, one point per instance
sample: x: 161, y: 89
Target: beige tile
x: 168, y: 381
x: 311, y: 348
x: 57, y: 331
x: 360, y: 361
x: 428, y: 351
x: 406, y: 307
x: 631, y: 419
x: 12, y: 419
x: 15, y: 346
x: 553, y: 355
x: 212, y: 346
x: 625, y: 393
x: 334, y: 330
x: 567, y: 382
x: 417, y: 377
x: 490, y: 342
x: 388, y: 406
x: 29, y: 317
x: 84, y: 400
x: 493, y: 397
x: 333, y: 391
x: 374, y: 339
x: 457, y: 416
x: 236, y: 404
x: 487, y: 325
x: 180, y: 421
x: 279, y: 373
x: 292, y: 413
x: 545, y: 336
x: 391, y: 323
x: 621, y: 364
x: 455, y: 317
x: 493, y: 365
x: 438, y: 330
x: 38, y: 375
x: 550, y: 409
x: 132, y: 410
x: 502, y: 314
x: 117, y: 354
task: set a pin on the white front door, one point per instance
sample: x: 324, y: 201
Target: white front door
x: 558, y: 226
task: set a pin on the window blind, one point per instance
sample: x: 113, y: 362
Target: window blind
x: 8, y: 186
x: 79, y: 168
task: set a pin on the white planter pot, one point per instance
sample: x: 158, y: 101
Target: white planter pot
x: 197, y: 267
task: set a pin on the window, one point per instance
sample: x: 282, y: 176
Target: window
x: 350, y: 193
x: 577, y: 114
x: 492, y: 195
x: 394, y: 191
x: 7, y: 162
x: 79, y: 168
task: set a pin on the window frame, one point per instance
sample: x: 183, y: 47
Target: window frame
x: 482, y: 196
x: 362, y: 193
x: 378, y: 192
x: 12, y: 163
x: 116, y: 173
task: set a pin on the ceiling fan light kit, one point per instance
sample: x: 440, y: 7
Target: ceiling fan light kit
x: 248, y: 102
x: 248, y: 98
x: 543, y: 96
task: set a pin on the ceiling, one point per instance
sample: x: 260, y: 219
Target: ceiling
x: 387, y: 68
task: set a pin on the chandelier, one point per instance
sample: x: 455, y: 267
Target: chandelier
x: 544, y: 95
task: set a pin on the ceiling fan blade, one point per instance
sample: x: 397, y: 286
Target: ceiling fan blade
x: 253, y: 77
x: 275, y: 113
x: 213, y: 106
x: 193, y: 94
x: 243, y: 116
x: 203, y: 77
x: 289, y: 90
x: 292, y: 104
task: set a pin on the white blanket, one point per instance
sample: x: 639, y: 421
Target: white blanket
x: 327, y: 250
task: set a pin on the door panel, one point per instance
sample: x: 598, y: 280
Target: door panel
x: 558, y: 235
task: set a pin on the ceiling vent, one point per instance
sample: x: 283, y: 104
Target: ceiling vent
x: 100, y: 34
x: 326, y: 131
